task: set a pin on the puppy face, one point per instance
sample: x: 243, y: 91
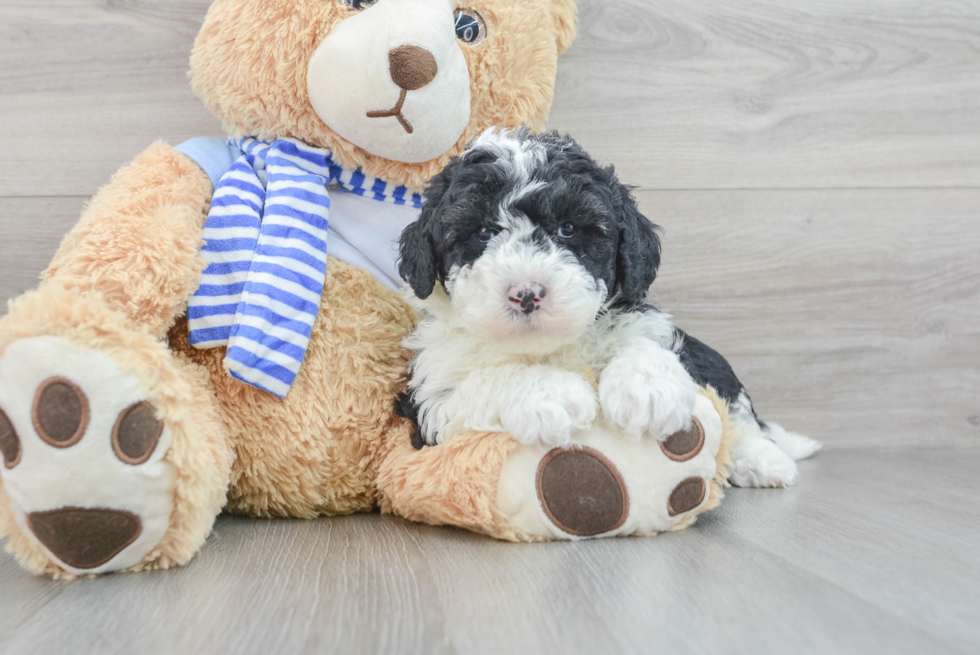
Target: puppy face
x: 530, y: 239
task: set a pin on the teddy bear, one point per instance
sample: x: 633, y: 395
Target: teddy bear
x: 222, y: 330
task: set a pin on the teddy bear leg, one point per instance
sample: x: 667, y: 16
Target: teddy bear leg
x: 609, y: 486
x: 605, y: 486
x: 454, y: 483
x: 113, y: 454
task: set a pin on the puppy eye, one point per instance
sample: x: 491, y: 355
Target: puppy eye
x: 470, y: 28
x: 567, y: 230
x: 357, y: 5
x: 485, y: 235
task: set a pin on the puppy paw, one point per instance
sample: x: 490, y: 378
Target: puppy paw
x: 551, y: 411
x: 758, y: 462
x: 648, y: 396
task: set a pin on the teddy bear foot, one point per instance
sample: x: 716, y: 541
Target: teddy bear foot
x: 83, y: 449
x: 113, y: 454
x: 606, y: 485
x: 610, y: 486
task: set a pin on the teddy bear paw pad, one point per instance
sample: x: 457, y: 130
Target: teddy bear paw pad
x: 686, y: 444
x: 688, y: 495
x: 582, y: 492
x: 83, y: 456
x: 610, y: 485
x: 85, y: 538
x: 9, y: 442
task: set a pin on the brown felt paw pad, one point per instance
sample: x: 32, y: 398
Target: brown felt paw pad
x: 60, y: 413
x: 582, y: 492
x: 9, y: 442
x: 85, y: 538
x: 686, y: 444
x: 686, y: 496
x: 136, y: 433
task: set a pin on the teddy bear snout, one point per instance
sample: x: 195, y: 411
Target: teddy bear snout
x: 393, y: 80
x: 412, y: 67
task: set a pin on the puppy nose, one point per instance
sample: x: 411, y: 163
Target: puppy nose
x: 411, y: 67
x: 527, y: 297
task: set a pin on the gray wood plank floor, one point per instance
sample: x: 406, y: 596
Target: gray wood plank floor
x: 874, y: 551
x: 815, y: 165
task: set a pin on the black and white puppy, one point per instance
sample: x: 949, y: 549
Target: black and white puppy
x: 531, y: 265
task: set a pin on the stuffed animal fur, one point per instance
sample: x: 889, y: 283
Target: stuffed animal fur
x: 122, y: 442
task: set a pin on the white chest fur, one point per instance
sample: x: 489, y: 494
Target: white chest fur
x: 461, y: 382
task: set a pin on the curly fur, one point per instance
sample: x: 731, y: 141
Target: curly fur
x: 517, y: 211
x: 536, y: 213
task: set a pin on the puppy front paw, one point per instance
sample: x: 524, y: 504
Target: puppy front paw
x: 551, y: 411
x: 648, y: 396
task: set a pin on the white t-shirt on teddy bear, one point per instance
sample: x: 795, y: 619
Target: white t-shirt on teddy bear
x: 363, y: 232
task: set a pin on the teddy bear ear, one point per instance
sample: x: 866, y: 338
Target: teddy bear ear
x: 566, y: 19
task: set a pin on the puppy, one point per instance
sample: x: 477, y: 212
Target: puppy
x: 530, y: 264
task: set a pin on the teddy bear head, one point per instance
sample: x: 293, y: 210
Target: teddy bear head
x: 397, y: 87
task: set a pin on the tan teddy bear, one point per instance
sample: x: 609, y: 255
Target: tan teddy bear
x: 149, y: 382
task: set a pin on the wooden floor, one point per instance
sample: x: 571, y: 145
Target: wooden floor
x: 816, y: 167
x: 874, y: 551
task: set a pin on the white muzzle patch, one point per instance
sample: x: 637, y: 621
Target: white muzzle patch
x: 484, y: 299
x: 393, y: 80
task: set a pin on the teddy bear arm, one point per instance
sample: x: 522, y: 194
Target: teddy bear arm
x: 138, y: 241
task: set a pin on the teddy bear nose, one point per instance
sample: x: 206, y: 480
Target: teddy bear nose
x: 412, y: 67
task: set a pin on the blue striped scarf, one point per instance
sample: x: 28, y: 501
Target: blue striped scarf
x: 266, y: 248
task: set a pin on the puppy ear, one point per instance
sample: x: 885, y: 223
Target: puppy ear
x: 566, y: 16
x: 418, y: 260
x: 639, y: 251
x: 417, y: 257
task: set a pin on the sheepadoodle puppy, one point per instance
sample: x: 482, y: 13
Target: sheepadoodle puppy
x: 531, y: 264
